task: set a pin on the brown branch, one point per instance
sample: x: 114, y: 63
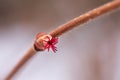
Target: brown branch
x: 30, y: 53
x: 85, y: 17
x: 67, y: 27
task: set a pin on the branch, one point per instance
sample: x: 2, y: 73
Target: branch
x: 65, y: 28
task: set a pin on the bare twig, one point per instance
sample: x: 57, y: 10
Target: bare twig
x: 66, y: 27
x: 30, y: 53
x: 85, y: 17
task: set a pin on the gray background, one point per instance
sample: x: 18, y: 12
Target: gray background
x: 89, y: 52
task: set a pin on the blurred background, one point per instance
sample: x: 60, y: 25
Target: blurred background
x: 89, y: 52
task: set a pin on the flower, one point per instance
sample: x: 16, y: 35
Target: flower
x: 44, y: 41
x: 50, y: 43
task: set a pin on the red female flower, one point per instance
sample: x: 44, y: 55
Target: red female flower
x: 51, y: 44
x: 43, y: 42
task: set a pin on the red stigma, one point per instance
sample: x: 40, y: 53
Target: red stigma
x: 51, y: 44
x: 44, y: 41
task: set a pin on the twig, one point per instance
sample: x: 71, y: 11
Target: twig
x: 30, y: 53
x: 67, y: 27
x: 85, y: 17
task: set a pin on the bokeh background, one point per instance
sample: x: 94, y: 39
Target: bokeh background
x: 89, y: 52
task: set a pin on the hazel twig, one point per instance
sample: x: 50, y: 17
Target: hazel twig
x: 65, y: 28
x: 85, y: 18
